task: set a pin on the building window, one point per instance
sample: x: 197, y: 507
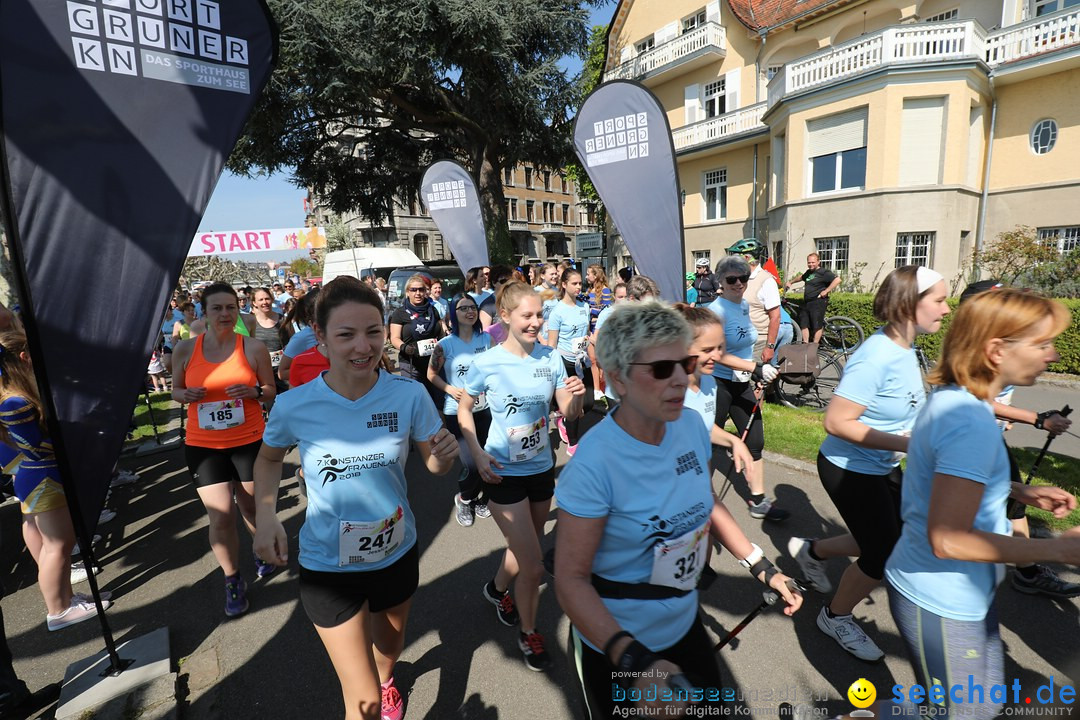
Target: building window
x: 839, y: 170
x: 716, y: 194
x: 1045, y: 7
x: 714, y: 98
x: 1043, y: 136
x: 694, y: 21
x: 420, y: 243
x: 528, y: 177
x: 914, y: 248
x: 549, y: 212
x: 833, y: 252
x: 778, y: 254
x: 836, y: 148
x: 771, y: 71
x: 547, y: 180
x: 944, y: 16
x: 565, y: 214
x: 530, y: 211
x: 645, y: 45
x: 513, y: 209
x: 508, y: 176
x: 1066, y: 239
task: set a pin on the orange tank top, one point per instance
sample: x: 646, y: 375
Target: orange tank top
x: 210, y: 421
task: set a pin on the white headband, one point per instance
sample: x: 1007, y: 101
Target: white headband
x: 925, y: 278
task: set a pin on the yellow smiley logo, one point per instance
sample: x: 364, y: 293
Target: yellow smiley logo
x: 862, y: 693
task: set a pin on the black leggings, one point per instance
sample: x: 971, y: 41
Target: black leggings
x: 693, y: 653
x: 416, y: 368
x: 736, y: 400
x: 210, y: 466
x: 469, y: 483
x: 870, y: 506
x: 573, y: 428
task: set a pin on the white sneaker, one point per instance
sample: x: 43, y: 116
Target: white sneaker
x: 813, y: 571
x: 844, y: 630
x: 78, y: 551
x: 80, y: 610
x: 106, y: 515
x: 78, y: 572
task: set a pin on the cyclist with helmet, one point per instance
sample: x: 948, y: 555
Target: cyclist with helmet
x: 706, y: 284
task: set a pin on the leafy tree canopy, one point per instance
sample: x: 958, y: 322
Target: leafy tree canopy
x: 592, y: 75
x: 367, y: 93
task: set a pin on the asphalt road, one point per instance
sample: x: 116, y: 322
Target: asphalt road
x: 459, y: 661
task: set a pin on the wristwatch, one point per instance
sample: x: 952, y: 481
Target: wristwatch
x: 771, y: 346
x: 258, y: 391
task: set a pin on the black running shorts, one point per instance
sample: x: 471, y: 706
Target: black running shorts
x: 515, y: 488
x: 331, y: 598
x: 210, y: 466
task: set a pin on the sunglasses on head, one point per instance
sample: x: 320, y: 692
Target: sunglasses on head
x: 663, y: 369
x: 732, y: 279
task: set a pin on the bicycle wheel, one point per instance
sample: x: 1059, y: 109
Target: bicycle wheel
x: 815, y: 394
x: 842, y: 334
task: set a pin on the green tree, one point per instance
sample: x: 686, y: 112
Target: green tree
x: 367, y: 93
x: 305, y: 268
x: 1014, y: 253
x: 591, y: 76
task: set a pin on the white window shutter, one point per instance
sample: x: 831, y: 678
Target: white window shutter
x: 732, y: 85
x: 691, y: 103
x: 922, y: 126
x: 625, y: 54
x: 668, y: 32
x: 712, y: 11
x: 836, y: 133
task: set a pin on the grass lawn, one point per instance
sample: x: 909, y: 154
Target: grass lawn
x: 799, y: 433
x: 164, y: 410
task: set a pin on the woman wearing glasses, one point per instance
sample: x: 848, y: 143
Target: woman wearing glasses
x: 634, y: 527
x: 738, y: 378
x: 415, y: 328
x: 449, y: 366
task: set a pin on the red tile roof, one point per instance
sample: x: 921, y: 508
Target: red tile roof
x: 759, y: 14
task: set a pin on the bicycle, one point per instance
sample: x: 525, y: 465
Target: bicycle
x: 812, y: 391
x: 839, y: 333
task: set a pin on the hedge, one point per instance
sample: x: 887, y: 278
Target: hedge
x: 859, y: 307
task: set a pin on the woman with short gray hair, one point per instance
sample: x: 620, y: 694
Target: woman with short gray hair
x: 634, y: 528
x: 738, y: 378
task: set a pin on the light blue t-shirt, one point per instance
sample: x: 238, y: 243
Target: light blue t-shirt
x: 479, y: 296
x: 739, y: 333
x: 603, y: 316
x: 441, y: 306
x: 459, y: 358
x: 885, y: 379
x: 955, y: 434
x: 353, y: 454
x: 703, y: 401
x: 303, y: 339
x: 519, y: 392
x: 572, y: 324
x: 545, y: 311
x: 648, y: 493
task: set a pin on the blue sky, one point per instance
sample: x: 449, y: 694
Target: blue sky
x: 240, y: 203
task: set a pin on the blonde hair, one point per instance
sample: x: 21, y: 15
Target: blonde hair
x: 1005, y: 314
x: 600, y: 276
x: 509, y: 296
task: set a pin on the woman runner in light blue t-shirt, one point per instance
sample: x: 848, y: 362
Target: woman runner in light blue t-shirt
x: 354, y: 425
x: 568, y: 332
x: 519, y: 378
x: 449, y: 366
x: 944, y: 572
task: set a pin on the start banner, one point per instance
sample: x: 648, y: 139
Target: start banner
x: 231, y: 242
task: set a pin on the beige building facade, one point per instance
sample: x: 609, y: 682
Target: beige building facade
x: 875, y: 132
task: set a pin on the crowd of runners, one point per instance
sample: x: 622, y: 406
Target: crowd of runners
x: 486, y: 381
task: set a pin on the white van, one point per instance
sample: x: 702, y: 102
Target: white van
x: 362, y: 262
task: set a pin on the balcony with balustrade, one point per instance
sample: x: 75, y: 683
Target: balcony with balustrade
x: 701, y: 46
x: 720, y: 129
x: 924, y: 44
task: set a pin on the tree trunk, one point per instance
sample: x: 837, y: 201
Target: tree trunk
x: 493, y: 205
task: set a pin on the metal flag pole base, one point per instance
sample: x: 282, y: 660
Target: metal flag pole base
x: 93, y: 687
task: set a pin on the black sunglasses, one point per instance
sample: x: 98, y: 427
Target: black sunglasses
x: 732, y: 279
x: 663, y: 369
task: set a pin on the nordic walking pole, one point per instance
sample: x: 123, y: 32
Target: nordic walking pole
x: 768, y: 597
x: 1046, y: 446
x: 758, y: 396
